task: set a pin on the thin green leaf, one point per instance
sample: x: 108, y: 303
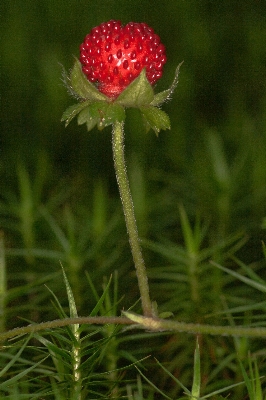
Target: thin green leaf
x: 99, y: 304
x: 14, y: 358
x: 188, y: 393
x: 195, y: 392
x: 20, y: 375
x: 247, y: 381
x: 152, y: 385
x: 250, y: 282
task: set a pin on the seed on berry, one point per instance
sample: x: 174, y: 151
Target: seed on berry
x: 126, y: 44
x: 119, y: 53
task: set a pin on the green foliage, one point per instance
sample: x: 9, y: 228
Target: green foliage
x: 95, y: 108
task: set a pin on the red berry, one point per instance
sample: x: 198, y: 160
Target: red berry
x: 112, y: 56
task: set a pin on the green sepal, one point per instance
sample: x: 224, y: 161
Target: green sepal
x: 98, y: 109
x: 82, y: 87
x: 73, y: 110
x: 138, y: 93
x: 101, y: 114
x: 86, y: 117
x: 161, y: 97
x: 155, y: 119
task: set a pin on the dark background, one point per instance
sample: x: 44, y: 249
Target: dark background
x: 59, y: 202
x: 213, y: 158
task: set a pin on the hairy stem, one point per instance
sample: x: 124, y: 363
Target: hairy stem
x: 122, y: 180
x: 152, y: 324
x: 76, y: 354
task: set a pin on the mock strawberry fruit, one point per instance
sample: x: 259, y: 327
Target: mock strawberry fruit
x: 112, y: 56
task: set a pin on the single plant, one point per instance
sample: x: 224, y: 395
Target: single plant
x: 117, y: 68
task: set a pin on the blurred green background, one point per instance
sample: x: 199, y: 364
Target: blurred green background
x: 213, y: 160
x: 58, y: 194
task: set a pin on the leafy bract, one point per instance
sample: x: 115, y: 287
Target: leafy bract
x: 84, y: 88
x: 138, y: 93
x: 96, y: 109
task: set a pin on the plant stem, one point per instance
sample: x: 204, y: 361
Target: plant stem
x: 152, y: 324
x: 127, y: 203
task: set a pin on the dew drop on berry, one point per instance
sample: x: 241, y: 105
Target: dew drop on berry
x: 109, y: 79
x: 110, y: 23
x: 94, y: 37
x: 133, y: 55
x: 156, y: 40
x: 163, y: 59
x: 95, y: 31
x: 117, y: 26
x: 104, y: 28
x: 161, y: 49
x: 158, y: 66
x: 94, y: 75
x: 146, y: 60
x: 86, y: 70
x: 110, y: 58
x: 86, y: 61
x: 83, y: 57
x: 159, y: 74
x: 108, y: 46
x: 137, y: 28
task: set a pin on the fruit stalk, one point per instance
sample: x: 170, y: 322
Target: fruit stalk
x: 128, y: 208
